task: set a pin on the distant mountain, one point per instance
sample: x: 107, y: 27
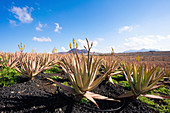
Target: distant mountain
x: 141, y: 50
x: 80, y: 51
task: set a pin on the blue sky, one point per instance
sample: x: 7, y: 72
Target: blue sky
x: 122, y: 24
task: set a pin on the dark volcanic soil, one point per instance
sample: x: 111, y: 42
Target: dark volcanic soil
x: 38, y: 96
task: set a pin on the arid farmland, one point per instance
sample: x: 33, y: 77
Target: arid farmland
x: 158, y: 58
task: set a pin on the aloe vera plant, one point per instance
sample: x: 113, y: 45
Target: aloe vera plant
x: 9, y: 58
x: 82, y: 72
x: 111, y: 67
x: 142, y: 78
x: 32, y: 64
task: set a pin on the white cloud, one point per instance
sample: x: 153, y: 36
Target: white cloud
x: 100, y: 39
x: 64, y: 49
x: 83, y: 43
x: 106, y: 48
x: 38, y: 28
x: 160, y: 37
x: 13, y: 22
x: 57, y: 28
x: 147, y: 42
x: 138, y: 42
x: 168, y: 36
x: 126, y: 28
x: 22, y: 14
x: 42, y: 39
x: 95, y: 43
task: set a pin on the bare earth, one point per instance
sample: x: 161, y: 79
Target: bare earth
x: 161, y: 58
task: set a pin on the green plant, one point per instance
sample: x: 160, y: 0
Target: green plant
x: 142, y: 78
x: 54, y: 69
x: 163, y: 90
x: 2, y: 63
x: 125, y: 84
x: 118, y: 77
x: 8, y: 76
x: 84, y: 100
x: 56, y: 77
x: 114, y: 81
x: 161, y: 108
x: 82, y: 72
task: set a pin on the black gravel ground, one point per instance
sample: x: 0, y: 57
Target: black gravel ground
x: 38, y: 95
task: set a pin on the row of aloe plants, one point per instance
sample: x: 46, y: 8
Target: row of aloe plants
x: 86, y: 72
x: 82, y: 71
x: 28, y: 64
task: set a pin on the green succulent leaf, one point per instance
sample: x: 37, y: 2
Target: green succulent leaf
x: 142, y: 78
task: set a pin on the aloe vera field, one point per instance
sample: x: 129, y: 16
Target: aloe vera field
x: 83, y: 82
x: 84, y: 56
